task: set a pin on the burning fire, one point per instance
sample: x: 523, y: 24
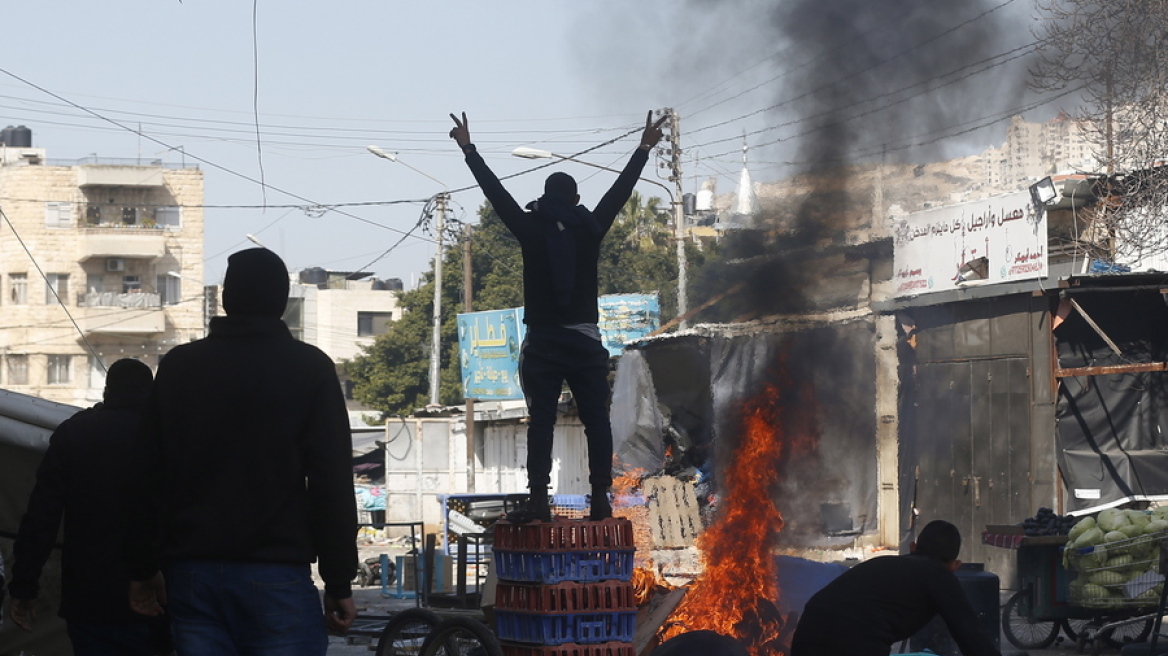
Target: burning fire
x: 646, y: 583
x: 737, y: 591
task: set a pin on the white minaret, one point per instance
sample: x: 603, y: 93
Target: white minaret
x: 746, y: 201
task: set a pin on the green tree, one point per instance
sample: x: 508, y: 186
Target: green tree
x: 392, y: 375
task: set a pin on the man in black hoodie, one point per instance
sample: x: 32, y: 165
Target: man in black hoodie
x: 83, y: 480
x: 560, y: 240
x: 885, y: 600
x: 246, y: 446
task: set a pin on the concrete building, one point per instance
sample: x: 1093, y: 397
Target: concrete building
x: 340, y: 312
x: 100, y: 259
x: 1035, y: 150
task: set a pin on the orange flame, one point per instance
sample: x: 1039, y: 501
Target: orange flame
x: 736, y: 593
x: 628, y: 482
x: 646, y: 582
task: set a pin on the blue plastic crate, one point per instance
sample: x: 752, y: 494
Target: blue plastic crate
x: 570, y: 501
x: 559, y: 566
x: 558, y: 629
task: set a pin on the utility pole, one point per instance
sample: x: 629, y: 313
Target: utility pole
x: 436, y: 338
x: 468, y: 306
x: 678, y: 212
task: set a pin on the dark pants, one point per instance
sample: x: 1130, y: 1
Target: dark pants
x: 111, y: 638
x: 220, y: 608
x: 551, y: 356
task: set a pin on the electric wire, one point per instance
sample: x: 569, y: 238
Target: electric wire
x: 1017, y: 54
x: 255, y: 94
x: 857, y: 73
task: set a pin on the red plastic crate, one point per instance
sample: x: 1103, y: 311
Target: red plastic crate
x: 569, y: 649
x: 565, y: 535
x: 566, y: 597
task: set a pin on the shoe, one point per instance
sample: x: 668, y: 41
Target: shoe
x: 536, y: 508
x: 601, y: 508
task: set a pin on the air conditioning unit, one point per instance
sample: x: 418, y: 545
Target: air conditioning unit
x: 115, y: 264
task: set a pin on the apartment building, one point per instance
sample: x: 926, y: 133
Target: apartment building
x: 340, y: 312
x: 100, y: 259
x: 1033, y: 151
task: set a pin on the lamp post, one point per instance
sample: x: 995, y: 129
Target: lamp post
x: 674, y: 203
x: 439, y: 226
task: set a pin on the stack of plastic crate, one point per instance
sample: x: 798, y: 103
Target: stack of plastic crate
x: 565, y: 588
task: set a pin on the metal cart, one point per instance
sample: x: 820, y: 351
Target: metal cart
x: 1049, y: 599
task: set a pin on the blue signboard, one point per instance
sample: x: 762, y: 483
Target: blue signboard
x: 625, y: 318
x: 488, y: 346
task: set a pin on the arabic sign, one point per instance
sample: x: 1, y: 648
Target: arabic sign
x: 998, y: 240
x: 488, y: 347
x: 626, y: 318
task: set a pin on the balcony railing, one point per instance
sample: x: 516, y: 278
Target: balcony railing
x: 120, y: 161
x: 112, y: 299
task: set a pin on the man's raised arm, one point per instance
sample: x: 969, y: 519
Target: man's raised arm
x: 505, y: 206
x: 615, y: 198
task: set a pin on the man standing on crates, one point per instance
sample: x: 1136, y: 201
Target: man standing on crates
x: 560, y: 240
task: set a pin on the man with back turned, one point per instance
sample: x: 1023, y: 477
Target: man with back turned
x: 246, y: 447
x: 885, y: 600
x: 560, y: 240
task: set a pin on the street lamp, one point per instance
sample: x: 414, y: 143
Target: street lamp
x: 535, y: 153
x: 439, y: 226
x: 678, y: 216
x: 252, y: 239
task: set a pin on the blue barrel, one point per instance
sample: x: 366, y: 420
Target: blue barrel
x: 982, y: 590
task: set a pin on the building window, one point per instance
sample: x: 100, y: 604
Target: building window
x: 129, y: 215
x: 373, y: 323
x: 93, y: 214
x: 56, y: 287
x: 58, y: 215
x: 96, y: 373
x: 60, y: 369
x: 94, y: 283
x: 169, y: 289
x: 169, y: 217
x: 18, y: 288
x: 131, y: 284
x: 17, y: 369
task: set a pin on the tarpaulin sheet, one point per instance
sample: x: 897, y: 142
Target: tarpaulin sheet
x: 695, y: 386
x: 1112, y: 447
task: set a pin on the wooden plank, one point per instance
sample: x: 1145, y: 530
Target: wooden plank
x: 1113, y: 369
x: 674, y: 522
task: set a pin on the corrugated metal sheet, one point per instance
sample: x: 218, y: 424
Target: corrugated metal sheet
x: 417, y: 471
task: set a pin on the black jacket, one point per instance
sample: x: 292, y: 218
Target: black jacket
x: 540, y: 305
x: 83, y: 478
x: 882, y: 601
x: 247, y: 443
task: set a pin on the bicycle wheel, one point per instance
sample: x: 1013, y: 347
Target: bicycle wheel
x: 1026, y: 632
x: 461, y: 636
x: 1074, y: 627
x: 405, y: 633
x: 1123, y: 634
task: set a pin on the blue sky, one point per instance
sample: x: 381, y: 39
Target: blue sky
x: 331, y: 78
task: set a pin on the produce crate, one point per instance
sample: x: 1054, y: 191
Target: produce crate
x: 570, y: 649
x: 581, y: 628
x: 1118, y: 574
x: 567, y: 597
x: 560, y: 566
x: 612, y: 533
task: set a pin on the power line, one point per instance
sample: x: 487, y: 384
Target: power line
x: 1017, y: 53
x: 890, y: 19
x: 860, y: 72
